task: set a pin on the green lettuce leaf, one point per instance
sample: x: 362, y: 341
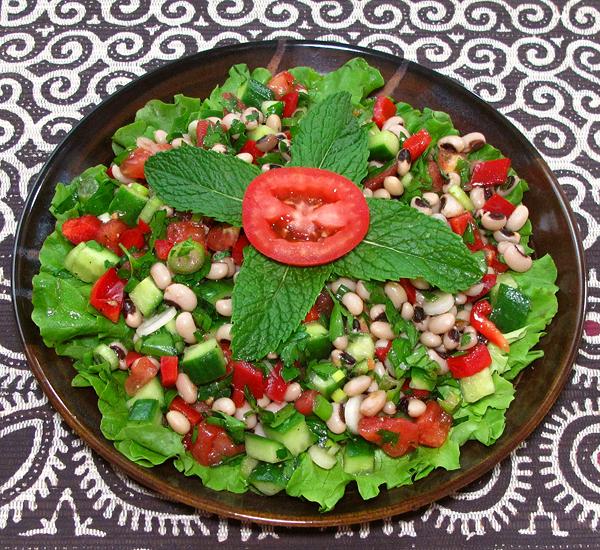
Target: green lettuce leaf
x: 226, y: 477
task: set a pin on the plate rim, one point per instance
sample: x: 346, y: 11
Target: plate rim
x: 318, y: 519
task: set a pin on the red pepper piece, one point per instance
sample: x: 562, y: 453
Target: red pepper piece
x: 459, y: 224
x: 132, y: 238
x: 107, y: 295
x: 201, y: 131
x: 475, y: 360
x: 312, y: 315
x: 162, y: 248
x: 383, y: 351
x: 179, y: 405
x: 144, y: 227
x: 417, y: 143
x: 411, y: 291
x: 276, y: 385
x: 246, y: 375
x: 497, y: 204
x: 490, y: 172
x: 250, y: 147
x: 488, y: 280
x: 169, y: 369
x: 290, y: 102
x: 481, y: 323
x: 491, y: 257
x: 383, y: 109
x: 82, y: 229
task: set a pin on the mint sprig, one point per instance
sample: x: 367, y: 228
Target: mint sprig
x: 404, y: 243
x: 331, y: 138
x: 270, y: 300
x: 204, y: 182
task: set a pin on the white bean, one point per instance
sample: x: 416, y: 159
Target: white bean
x: 451, y: 207
x: 473, y: 141
x: 362, y: 291
x: 352, y: 413
x: 420, y: 284
x: 274, y: 407
x: 407, y: 311
x: 353, y: 303
x: 382, y: 194
x: 357, y: 385
x: 439, y: 324
x: 367, y: 193
x: 416, y: 408
x: 348, y: 283
x: 396, y: 293
x: 181, y: 296
x: 441, y: 303
x: 451, y: 339
x: 134, y: 320
x: 381, y: 329
x: 274, y: 122
x: 507, y: 236
x: 192, y: 127
x: 186, y: 388
x: 160, y: 136
x: 518, y: 218
x: 373, y: 403
x: 452, y: 143
x: 161, y: 275
x: 230, y: 265
x: 335, y: 357
x: 392, y: 121
x: 223, y: 307
x: 219, y: 148
x: 224, y: 405
x: 335, y: 422
x: 240, y: 414
x: 341, y: 343
x: 178, y: 422
x: 293, y: 391
x: 246, y: 157
x: 252, y: 117
x: 460, y: 299
x: 430, y: 340
x: 376, y: 311
x: 477, y: 196
x: 442, y: 363
x: 469, y: 342
x: 263, y: 402
x: 218, y: 270
x: 224, y: 332
x: 393, y: 186
x: 118, y: 175
x: 434, y: 201
x: 389, y: 408
x: 516, y: 259
x: 397, y: 130
x: 475, y: 290
x: 421, y: 205
x: 493, y: 222
x: 186, y: 327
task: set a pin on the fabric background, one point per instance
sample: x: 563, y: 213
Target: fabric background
x: 537, y: 62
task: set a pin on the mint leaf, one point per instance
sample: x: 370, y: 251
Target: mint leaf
x: 270, y: 300
x: 204, y: 182
x: 403, y: 242
x: 331, y: 138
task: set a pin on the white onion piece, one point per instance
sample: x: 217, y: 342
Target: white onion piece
x: 443, y: 303
x: 106, y: 217
x: 352, y: 413
x: 158, y: 321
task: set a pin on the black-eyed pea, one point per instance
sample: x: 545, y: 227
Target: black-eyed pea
x: 376, y: 311
x: 430, y: 340
x: 186, y: 327
x: 396, y: 293
x: 182, y: 296
x: 516, y: 259
x: 353, y: 303
x: 504, y: 235
x: 473, y: 141
x: 381, y: 330
x: 224, y: 332
x: 373, y: 403
x: 381, y: 194
x: 518, y: 218
x: 161, y: 275
x: 451, y: 339
x: 335, y: 422
x: 477, y: 196
x: 452, y: 143
x: 493, y: 221
x: 433, y: 200
x: 363, y: 291
x: 440, y: 324
x: 392, y: 121
x: 450, y: 207
x: 186, y: 388
x: 416, y: 407
x: 292, y: 392
x: 393, y: 186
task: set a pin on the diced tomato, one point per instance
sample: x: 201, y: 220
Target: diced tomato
x: 132, y: 237
x: 382, y: 352
x: 491, y: 258
x: 413, y: 391
x: 376, y: 181
x: 306, y: 402
x: 417, y: 143
x: 312, y: 315
x: 434, y: 425
x: 246, y: 375
x: 470, y: 363
x: 395, y: 436
x: 497, y: 204
x: 488, y: 280
x: 290, y: 102
x: 179, y: 405
x: 213, y: 445
x: 383, y: 109
x: 182, y: 231
x: 144, y: 227
x: 169, y: 369
x: 222, y: 237
x: 490, y: 172
x: 201, y: 131
x: 276, y: 386
x: 304, y: 216
x: 437, y: 180
x: 162, y: 248
x: 281, y: 84
x: 107, y: 295
x: 109, y: 235
x: 237, y: 252
x: 481, y: 323
x: 133, y: 166
x: 233, y: 101
x: 411, y: 291
x: 250, y: 147
x: 324, y: 304
x: 82, y: 229
x: 459, y: 224
x: 142, y: 371
x: 131, y: 357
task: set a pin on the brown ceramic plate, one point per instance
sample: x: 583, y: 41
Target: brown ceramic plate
x: 555, y: 232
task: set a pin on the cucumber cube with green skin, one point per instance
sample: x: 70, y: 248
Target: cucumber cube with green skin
x: 294, y: 434
x: 248, y: 464
x: 318, y: 345
x: 253, y: 93
x: 511, y: 308
x: 264, y: 449
x: 325, y: 378
x: 359, y: 457
x: 383, y: 145
x: 270, y: 479
x: 157, y: 344
x: 145, y: 411
x: 150, y: 208
x: 322, y: 408
x: 204, y: 362
x: 421, y: 380
x: 361, y: 346
x: 150, y: 390
x: 146, y: 296
x: 478, y: 385
x: 128, y: 203
x: 260, y: 132
x: 89, y: 261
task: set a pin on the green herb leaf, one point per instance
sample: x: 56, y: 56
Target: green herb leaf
x: 331, y: 138
x: 403, y: 242
x: 269, y: 301
x: 204, y: 182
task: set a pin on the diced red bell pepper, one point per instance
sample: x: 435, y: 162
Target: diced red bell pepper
x: 497, y: 204
x: 237, y: 252
x: 383, y: 109
x: 246, y: 375
x: 470, y: 363
x: 411, y: 291
x: 169, y: 369
x: 276, y: 386
x: 290, y: 103
x: 490, y: 172
x: 459, y: 224
x: 477, y: 243
x: 250, y: 147
x: 312, y: 315
x: 179, y: 405
x: 131, y: 357
x: 417, y: 143
x: 382, y: 352
x: 491, y: 257
x: 107, y: 295
x: 305, y: 404
x: 488, y: 280
x: 82, y: 229
x: 481, y: 323
x: 162, y: 248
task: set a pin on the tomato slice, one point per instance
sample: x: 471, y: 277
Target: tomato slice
x: 201, y: 131
x: 312, y: 315
x: 304, y: 216
x: 246, y: 375
x: 222, y: 237
x: 250, y: 147
x: 107, y: 295
x: 437, y: 180
x: 281, y: 84
x: 133, y: 166
x: 109, y: 235
x: 290, y: 102
x: 82, y: 229
x: 142, y: 371
x: 213, y: 445
x: 237, y: 252
x: 182, y: 231
x: 434, y: 425
x: 306, y: 402
x: 395, y: 436
x: 376, y: 180
x: 132, y: 237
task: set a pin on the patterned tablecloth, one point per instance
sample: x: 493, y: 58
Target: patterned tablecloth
x: 538, y: 62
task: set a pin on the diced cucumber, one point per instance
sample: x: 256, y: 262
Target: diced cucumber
x: 270, y: 479
x: 339, y: 396
x: 383, y: 145
x: 293, y: 433
x: 253, y: 93
x: 157, y: 344
x: 248, y: 464
x: 213, y: 291
x: 421, y: 380
x: 322, y: 408
x: 451, y: 398
x: 464, y: 199
x: 145, y: 410
x: 318, y: 345
x: 360, y: 368
x: 260, y: 132
x: 128, y: 203
x: 103, y: 354
x: 272, y: 108
x: 478, y: 385
x: 146, y: 296
x: 359, y: 457
x: 361, y: 346
x: 267, y: 450
x: 89, y: 261
x: 150, y: 208
x: 151, y: 390
x: 503, y: 279
x: 325, y: 378
x: 204, y: 362
x: 321, y: 457
x: 511, y: 308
